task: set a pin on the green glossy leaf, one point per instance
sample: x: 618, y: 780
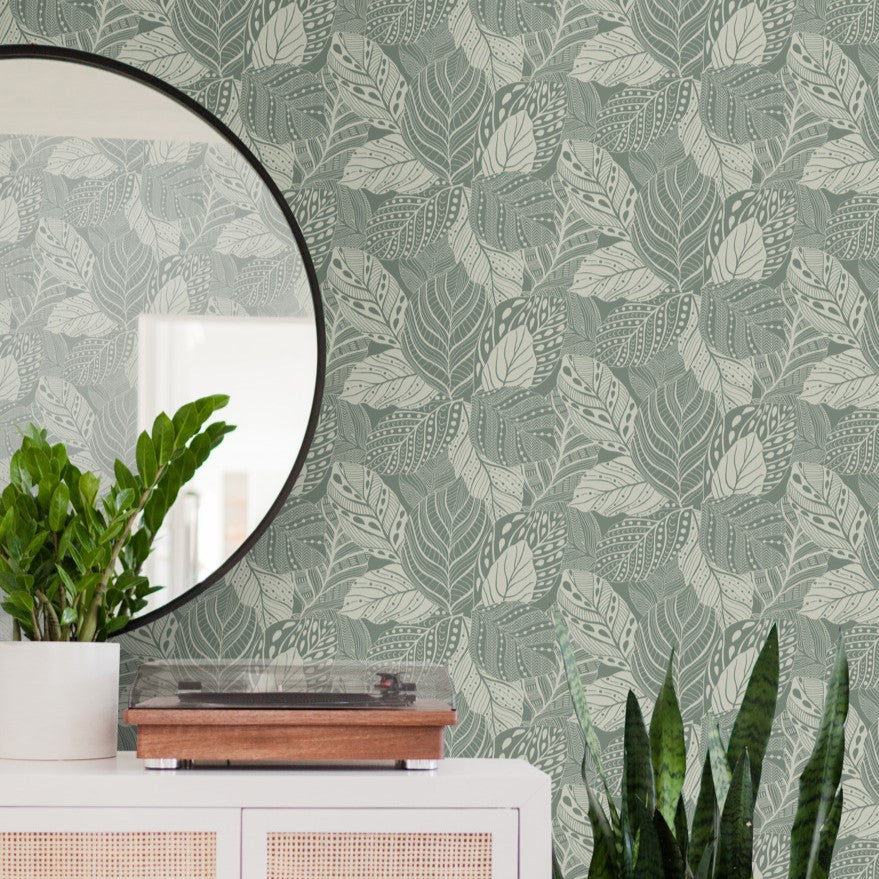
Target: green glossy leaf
x: 820, y: 778
x: 736, y: 837
x: 163, y: 438
x: 206, y: 406
x: 89, y: 485
x: 155, y: 509
x: 185, y: 423
x: 753, y: 725
x: 58, y: 506
x: 145, y: 455
x: 115, y: 624
x: 68, y: 582
x: 668, y: 749
x: 22, y: 600
x: 19, y: 614
x: 124, y: 477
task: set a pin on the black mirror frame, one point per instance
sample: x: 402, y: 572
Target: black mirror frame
x: 111, y: 66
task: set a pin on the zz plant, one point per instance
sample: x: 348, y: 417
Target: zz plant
x: 70, y: 561
x: 648, y: 836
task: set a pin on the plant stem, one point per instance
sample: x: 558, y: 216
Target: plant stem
x: 16, y: 630
x: 52, y: 622
x: 89, y: 627
x: 36, y: 624
x: 64, y: 632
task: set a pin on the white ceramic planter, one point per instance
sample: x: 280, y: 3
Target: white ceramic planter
x: 58, y: 700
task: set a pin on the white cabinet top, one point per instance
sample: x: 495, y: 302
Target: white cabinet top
x: 124, y: 782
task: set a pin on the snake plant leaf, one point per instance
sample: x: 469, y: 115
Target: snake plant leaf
x: 820, y: 779
x: 681, y: 833
x: 753, y: 724
x: 673, y: 864
x: 604, y: 863
x: 625, y: 840
x: 828, y: 838
x: 705, y: 870
x: 637, y: 765
x: 719, y: 762
x: 578, y: 697
x: 705, y: 817
x: 668, y: 749
x: 648, y: 864
x: 736, y: 837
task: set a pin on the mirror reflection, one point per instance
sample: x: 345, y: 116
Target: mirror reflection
x: 143, y: 264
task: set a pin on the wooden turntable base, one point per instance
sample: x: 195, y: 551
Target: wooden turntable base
x: 410, y: 736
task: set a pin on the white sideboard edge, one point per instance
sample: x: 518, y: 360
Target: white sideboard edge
x: 123, y: 781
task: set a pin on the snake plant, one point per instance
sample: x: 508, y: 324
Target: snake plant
x: 648, y: 836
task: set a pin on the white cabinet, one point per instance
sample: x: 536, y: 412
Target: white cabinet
x: 114, y: 819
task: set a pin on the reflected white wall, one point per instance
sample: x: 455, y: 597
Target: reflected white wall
x: 267, y: 367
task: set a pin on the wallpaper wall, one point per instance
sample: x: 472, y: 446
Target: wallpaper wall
x: 600, y: 282
x: 93, y: 234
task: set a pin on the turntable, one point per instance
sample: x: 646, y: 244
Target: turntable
x: 189, y: 712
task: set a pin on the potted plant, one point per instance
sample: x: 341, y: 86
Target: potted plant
x: 70, y: 568
x: 649, y: 836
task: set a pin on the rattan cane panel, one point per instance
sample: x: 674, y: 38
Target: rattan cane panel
x: 378, y: 856
x: 123, y: 855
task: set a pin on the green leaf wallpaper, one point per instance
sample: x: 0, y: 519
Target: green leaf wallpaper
x: 600, y: 283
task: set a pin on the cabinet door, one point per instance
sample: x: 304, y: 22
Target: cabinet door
x: 122, y: 843
x: 380, y: 844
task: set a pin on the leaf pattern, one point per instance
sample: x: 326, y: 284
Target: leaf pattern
x: 830, y: 84
x: 672, y: 218
x: 368, y: 79
x: 441, y: 114
x: 672, y: 432
x: 597, y: 186
x: 598, y: 281
x: 672, y: 32
x: 633, y: 549
x: 634, y: 118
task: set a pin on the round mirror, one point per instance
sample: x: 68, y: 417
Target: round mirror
x: 147, y: 260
